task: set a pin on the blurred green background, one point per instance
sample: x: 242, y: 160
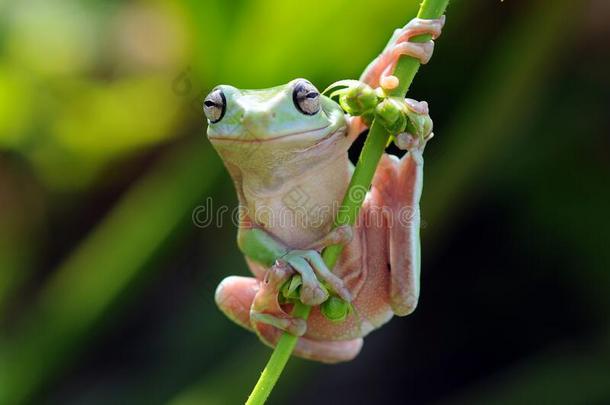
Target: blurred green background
x: 106, y: 285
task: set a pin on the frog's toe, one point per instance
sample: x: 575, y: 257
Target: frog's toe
x: 316, y: 276
x: 419, y: 107
x: 421, y: 51
x: 234, y: 296
x: 313, y: 295
x: 419, y: 26
x: 324, y: 273
x: 407, y: 141
x: 312, y: 292
x: 294, y: 326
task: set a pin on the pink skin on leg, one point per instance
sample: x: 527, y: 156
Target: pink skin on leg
x: 404, y: 250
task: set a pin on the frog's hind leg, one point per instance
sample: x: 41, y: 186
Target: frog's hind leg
x: 236, y: 296
x: 397, y: 186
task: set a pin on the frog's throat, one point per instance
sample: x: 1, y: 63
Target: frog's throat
x: 268, y: 175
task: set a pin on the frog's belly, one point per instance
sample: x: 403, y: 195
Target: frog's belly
x: 295, y: 224
x: 301, y: 212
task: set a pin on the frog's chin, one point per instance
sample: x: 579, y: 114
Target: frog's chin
x: 315, y: 136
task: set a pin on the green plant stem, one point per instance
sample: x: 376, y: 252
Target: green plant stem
x: 374, y: 147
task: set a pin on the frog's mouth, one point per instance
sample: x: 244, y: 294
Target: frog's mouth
x: 319, y: 135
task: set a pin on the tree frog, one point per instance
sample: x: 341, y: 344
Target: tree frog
x: 286, y: 151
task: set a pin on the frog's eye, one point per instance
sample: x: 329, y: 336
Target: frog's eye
x: 214, y: 106
x: 306, y: 97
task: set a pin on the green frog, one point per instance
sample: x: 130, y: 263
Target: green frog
x: 286, y: 149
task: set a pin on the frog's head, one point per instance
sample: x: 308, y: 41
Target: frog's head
x: 281, y: 128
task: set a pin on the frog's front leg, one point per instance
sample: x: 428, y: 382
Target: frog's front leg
x: 313, y: 271
x: 380, y: 71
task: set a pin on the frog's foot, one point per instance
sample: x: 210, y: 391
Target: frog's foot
x: 265, y: 307
x: 249, y: 302
x: 401, y: 45
x: 313, y: 271
x: 310, y: 265
x: 419, y: 129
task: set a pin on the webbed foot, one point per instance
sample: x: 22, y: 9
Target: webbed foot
x: 419, y: 127
x: 265, y: 307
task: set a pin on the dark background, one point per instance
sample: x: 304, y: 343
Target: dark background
x: 106, y: 285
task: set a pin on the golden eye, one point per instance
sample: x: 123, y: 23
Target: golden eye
x: 306, y: 97
x: 214, y: 106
